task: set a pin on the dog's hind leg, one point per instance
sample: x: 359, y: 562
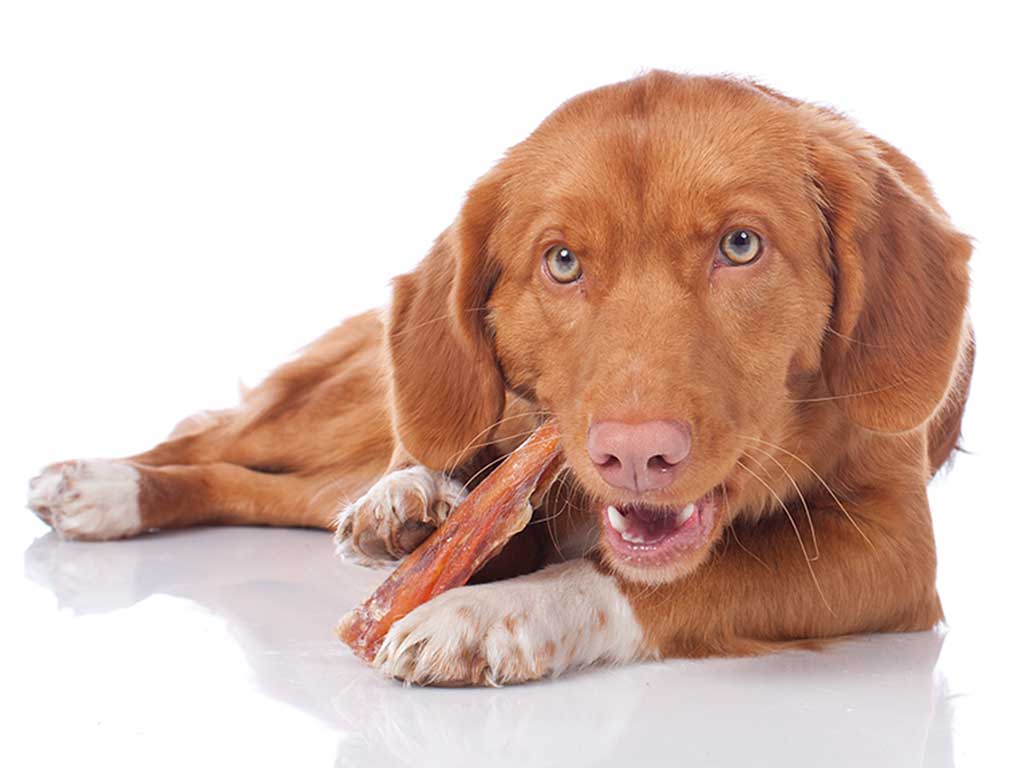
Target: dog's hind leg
x: 98, y: 499
x: 313, y: 436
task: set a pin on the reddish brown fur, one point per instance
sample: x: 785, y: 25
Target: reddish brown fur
x: 845, y: 347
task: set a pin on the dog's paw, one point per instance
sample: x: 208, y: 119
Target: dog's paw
x: 513, y: 631
x: 90, y: 500
x: 398, y: 512
x: 468, y: 636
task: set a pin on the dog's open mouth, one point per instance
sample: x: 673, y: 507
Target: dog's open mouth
x: 654, y: 535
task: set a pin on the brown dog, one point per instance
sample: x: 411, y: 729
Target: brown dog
x: 747, y: 316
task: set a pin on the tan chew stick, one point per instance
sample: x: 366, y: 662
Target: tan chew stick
x: 474, y: 532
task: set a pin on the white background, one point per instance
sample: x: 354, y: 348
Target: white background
x: 190, y: 191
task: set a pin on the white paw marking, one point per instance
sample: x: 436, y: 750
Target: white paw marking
x: 562, y: 617
x: 93, y: 499
x: 398, y: 512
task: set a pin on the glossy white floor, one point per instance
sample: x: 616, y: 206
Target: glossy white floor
x: 215, y: 645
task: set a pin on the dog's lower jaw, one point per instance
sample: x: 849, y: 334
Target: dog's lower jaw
x: 562, y: 617
x: 680, y: 545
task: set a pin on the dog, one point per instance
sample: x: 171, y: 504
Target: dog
x: 748, y: 318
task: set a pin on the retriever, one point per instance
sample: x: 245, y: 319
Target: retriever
x: 746, y: 314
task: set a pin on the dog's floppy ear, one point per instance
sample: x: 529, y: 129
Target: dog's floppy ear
x: 446, y: 386
x: 901, y: 281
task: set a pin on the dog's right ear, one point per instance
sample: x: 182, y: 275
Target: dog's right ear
x: 447, y: 390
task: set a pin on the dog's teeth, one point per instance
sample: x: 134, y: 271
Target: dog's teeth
x: 617, y: 520
x: 685, y: 513
x: 632, y: 539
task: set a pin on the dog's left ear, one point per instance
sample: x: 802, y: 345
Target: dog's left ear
x: 900, y: 276
x: 447, y: 390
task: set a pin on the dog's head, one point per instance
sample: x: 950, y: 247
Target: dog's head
x: 674, y: 267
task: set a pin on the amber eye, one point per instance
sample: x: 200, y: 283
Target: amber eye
x: 740, y: 246
x: 562, y: 264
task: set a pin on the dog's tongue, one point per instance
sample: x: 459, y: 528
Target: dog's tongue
x: 648, y: 515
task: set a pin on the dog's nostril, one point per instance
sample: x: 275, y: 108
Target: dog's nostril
x: 612, y: 462
x: 659, y: 463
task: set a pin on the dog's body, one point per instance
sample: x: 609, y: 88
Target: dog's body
x: 749, y: 430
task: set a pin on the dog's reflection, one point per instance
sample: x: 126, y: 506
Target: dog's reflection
x: 873, y: 701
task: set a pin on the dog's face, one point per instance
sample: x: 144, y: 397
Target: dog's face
x: 660, y: 284
x: 658, y: 266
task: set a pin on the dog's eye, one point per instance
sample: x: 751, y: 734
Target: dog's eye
x: 740, y: 246
x: 562, y: 264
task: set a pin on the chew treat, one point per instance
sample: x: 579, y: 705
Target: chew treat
x: 474, y: 532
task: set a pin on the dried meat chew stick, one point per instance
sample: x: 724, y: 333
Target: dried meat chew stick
x: 474, y: 532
